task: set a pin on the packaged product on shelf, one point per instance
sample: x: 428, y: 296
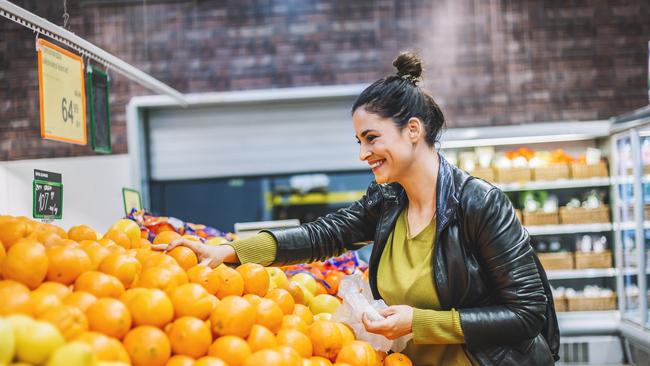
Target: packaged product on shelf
x: 591, y: 298
x: 591, y: 210
x: 539, y: 208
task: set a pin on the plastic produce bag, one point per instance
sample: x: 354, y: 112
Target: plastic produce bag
x: 357, y: 300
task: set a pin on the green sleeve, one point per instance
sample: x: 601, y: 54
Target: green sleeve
x: 259, y: 249
x: 437, y: 327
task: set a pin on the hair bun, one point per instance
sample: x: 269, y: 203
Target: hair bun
x: 409, y: 66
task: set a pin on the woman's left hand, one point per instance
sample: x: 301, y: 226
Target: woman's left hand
x: 397, y: 322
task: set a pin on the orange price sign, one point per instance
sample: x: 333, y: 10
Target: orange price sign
x: 62, y: 94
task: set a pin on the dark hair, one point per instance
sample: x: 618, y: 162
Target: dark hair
x: 400, y: 98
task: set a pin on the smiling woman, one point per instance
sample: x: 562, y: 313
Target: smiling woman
x: 449, y: 255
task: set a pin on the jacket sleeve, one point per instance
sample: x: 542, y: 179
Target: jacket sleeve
x: 348, y: 228
x: 503, y: 251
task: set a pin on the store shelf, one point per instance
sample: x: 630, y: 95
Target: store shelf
x: 588, y: 322
x: 629, y: 179
x: 631, y: 225
x: 581, y: 273
x: 555, y: 184
x: 318, y: 198
x: 568, y: 229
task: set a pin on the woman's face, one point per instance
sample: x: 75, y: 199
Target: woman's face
x: 387, y: 149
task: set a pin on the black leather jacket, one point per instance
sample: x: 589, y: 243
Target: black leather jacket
x: 484, y: 265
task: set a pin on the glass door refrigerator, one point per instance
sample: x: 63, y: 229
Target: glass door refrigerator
x: 630, y: 172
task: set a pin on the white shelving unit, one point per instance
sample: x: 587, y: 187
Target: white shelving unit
x: 568, y: 229
x: 568, y: 274
x: 555, y: 184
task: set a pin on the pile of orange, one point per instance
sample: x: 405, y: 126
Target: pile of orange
x: 133, y: 305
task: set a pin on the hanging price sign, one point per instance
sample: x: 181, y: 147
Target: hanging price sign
x: 62, y: 95
x: 48, y: 195
x: 132, y: 200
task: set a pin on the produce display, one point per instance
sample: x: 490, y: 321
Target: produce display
x: 78, y: 298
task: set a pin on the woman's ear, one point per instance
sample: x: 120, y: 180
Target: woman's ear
x: 415, y: 129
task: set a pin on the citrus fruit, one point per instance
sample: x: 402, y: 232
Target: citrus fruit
x: 200, y: 274
x: 209, y: 361
x: 26, y: 262
x: 282, y: 298
x: 104, y: 347
x: 99, y: 284
x: 96, y: 252
x: 227, y: 281
x: 140, y: 243
x: 82, y: 232
x: 36, y: 341
x: 110, y: 317
x: 60, y: 290
x: 191, y: 299
x: 189, y: 336
x: 66, y: 263
x: 11, y: 231
x: 346, y: 333
x: 70, y: 321
x: 326, y: 339
x: 293, y: 321
x: 256, y: 279
x: 269, y: 315
x: 320, y: 361
x: 80, y: 299
x: 128, y: 227
x: 123, y: 266
x: 232, y: 349
x: 151, y: 307
x: 40, y: 301
x: 357, y: 353
x: 166, y: 237
x: 324, y: 304
x: 397, y: 359
x: 296, y: 340
x: 162, y: 278
x: 233, y: 315
x: 304, y: 313
x: 147, y: 346
x: 266, y: 357
x: 260, y: 338
x: 15, y: 298
x: 119, y: 238
x: 180, y: 360
x: 289, y: 355
x: 184, y: 256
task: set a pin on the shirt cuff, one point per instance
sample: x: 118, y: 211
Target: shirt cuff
x: 260, y: 249
x: 437, y: 327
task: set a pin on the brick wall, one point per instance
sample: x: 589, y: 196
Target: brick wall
x: 488, y: 62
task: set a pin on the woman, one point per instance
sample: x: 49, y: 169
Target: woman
x: 450, y: 257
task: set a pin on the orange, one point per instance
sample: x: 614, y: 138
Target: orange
x: 227, y: 281
x: 140, y: 243
x: 381, y: 356
x: 82, y: 232
x: 213, y: 301
x: 41, y: 301
x: 141, y: 254
x: 99, y: 284
x: 296, y: 292
x: 47, y: 238
x: 15, y: 298
x: 147, y: 346
x: 269, y: 315
x: 178, y: 273
x: 104, y: 347
x: 283, y: 298
x: 66, y: 264
x: 189, y: 336
x: 110, y: 317
x: 233, y: 315
x: 124, y: 267
x: 260, y: 338
x: 293, y: 321
x: 397, y: 359
x: 3, y: 254
x: 11, y: 231
x: 128, y: 227
x: 296, y: 340
x: 162, y: 278
x: 320, y: 361
x: 232, y: 349
x: 290, y: 356
x: 334, y: 278
x: 357, y: 353
x: 266, y: 357
x: 200, y: 274
x: 191, y: 299
x: 70, y: 321
x: 326, y: 338
x: 166, y: 237
x: 119, y: 238
x: 96, y: 252
x: 346, y: 333
x: 209, y: 361
x: 180, y: 360
x: 60, y: 290
x: 106, y: 242
x: 80, y: 299
x: 184, y: 256
x: 304, y: 313
x: 57, y: 230
x: 26, y: 262
x: 151, y: 307
x: 253, y: 299
x: 256, y: 278
x: 157, y: 259
x: 129, y: 295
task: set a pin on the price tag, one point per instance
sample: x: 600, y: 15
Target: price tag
x: 62, y: 95
x: 132, y: 200
x: 48, y: 195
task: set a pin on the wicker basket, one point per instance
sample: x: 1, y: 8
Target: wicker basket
x: 582, y: 303
x: 551, y: 172
x: 513, y: 175
x: 560, y: 303
x: 553, y: 261
x: 593, y: 260
x: 584, y: 215
x: 541, y: 218
x: 582, y: 171
x: 484, y: 173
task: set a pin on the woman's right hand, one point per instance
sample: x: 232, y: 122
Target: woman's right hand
x: 209, y: 255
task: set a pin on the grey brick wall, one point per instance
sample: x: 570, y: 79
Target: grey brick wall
x: 487, y: 62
